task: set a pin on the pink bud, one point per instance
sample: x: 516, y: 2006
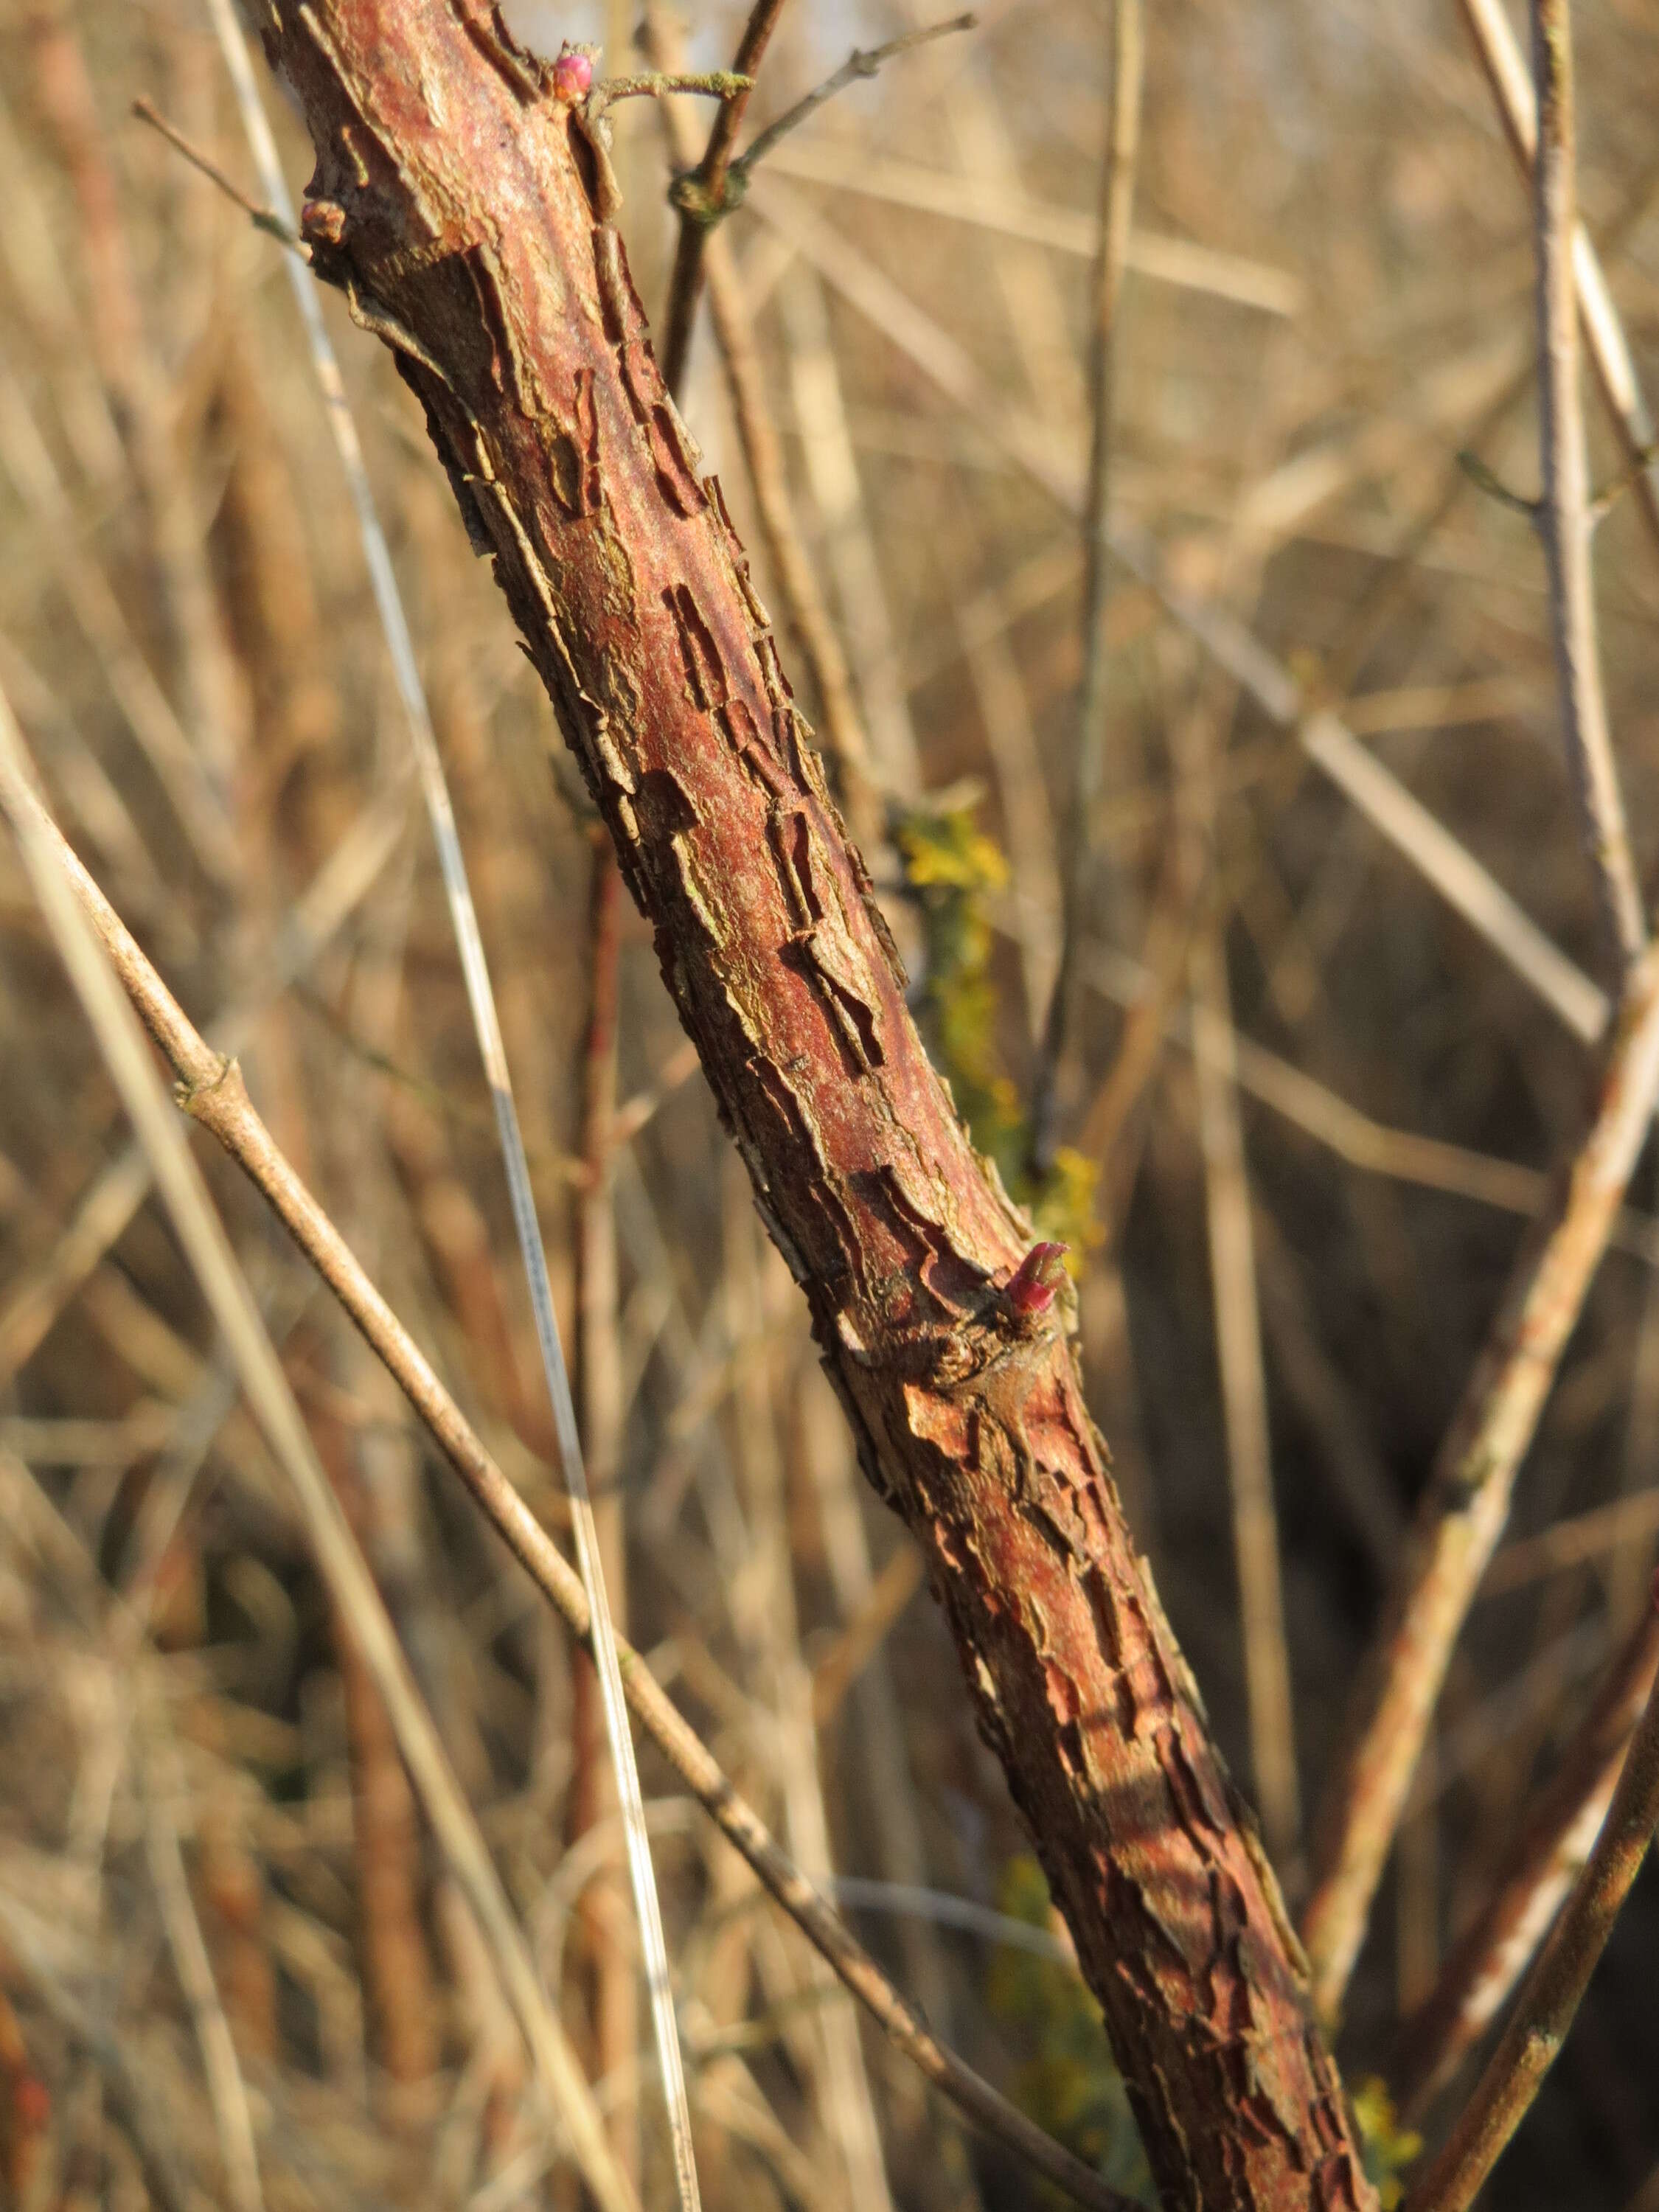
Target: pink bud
x: 573, y: 75
x: 31, y: 2103
x: 1036, y: 1283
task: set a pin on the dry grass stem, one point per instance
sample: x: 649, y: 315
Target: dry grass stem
x: 968, y: 199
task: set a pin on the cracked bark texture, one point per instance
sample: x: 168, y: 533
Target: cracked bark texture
x: 461, y: 210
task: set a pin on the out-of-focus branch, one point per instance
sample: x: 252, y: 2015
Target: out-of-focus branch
x: 1563, y: 514
x: 1539, y: 1868
x: 1117, y: 189
x: 1609, y: 349
x: 215, y: 1095
x: 1468, y: 1500
x: 1545, y: 2010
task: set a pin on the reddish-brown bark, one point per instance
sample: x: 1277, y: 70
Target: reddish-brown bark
x: 461, y: 208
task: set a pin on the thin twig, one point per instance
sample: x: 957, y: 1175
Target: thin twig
x: 657, y: 84
x: 600, y: 1408
x: 685, y: 284
x: 1466, y: 1503
x: 261, y: 217
x: 707, y: 194
x: 1545, y: 2010
x: 1562, y: 515
x: 1088, y: 757
x: 213, y: 1094
x: 208, y: 1247
x: 487, y: 1026
x: 1609, y: 349
x: 1539, y: 1868
x: 855, y: 67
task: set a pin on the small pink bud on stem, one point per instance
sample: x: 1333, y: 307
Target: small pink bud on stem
x: 573, y: 75
x: 1038, y: 1279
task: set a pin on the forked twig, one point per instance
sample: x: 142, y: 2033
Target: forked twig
x: 1466, y: 1503
x: 709, y: 179
x: 213, y: 1094
x: 707, y: 194
x: 1545, y: 2010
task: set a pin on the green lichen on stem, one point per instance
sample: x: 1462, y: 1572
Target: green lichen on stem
x: 953, y: 871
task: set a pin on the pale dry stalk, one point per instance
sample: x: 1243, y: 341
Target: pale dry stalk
x: 1466, y: 1503
x: 1610, y: 354
x: 597, y: 1376
x: 1546, y: 2008
x: 1089, y: 750
x: 1563, y: 513
x: 1244, y: 1394
x: 1539, y: 1868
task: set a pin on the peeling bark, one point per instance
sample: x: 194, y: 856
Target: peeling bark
x: 457, y: 207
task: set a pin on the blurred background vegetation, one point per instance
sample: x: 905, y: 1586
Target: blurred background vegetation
x: 1328, y: 295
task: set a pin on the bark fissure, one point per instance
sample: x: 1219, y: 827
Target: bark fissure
x: 457, y: 208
